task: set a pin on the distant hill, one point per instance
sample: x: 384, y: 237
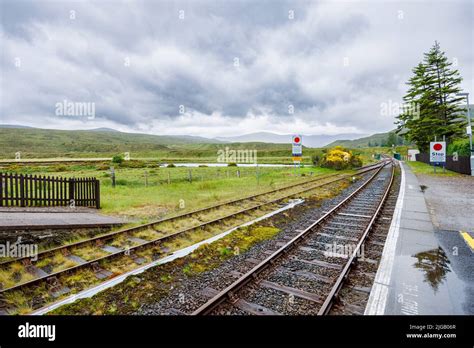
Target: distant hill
x: 267, y: 137
x: 161, y: 139
x: 13, y: 126
x: 374, y: 139
x: 95, y: 143
x: 36, y: 142
x: 103, y: 129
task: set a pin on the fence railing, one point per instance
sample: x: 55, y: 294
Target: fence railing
x: 31, y: 191
x: 462, y: 165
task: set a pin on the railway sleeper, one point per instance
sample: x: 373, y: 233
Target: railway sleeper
x: 99, y: 272
x: 253, y: 308
x: 292, y: 291
x: 55, y: 288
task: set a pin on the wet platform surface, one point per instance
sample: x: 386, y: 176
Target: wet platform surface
x: 30, y: 218
x: 423, y: 270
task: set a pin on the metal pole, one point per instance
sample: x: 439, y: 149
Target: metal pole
x: 471, y: 149
x: 257, y: 176
x: 470, y: 135
x: 469, y: 123
x: 444, y: 163
x: 112, y: 175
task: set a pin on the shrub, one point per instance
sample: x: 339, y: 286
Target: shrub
x: 356, y: 161
x: 117, y: 159
x: 171, y: 165
x: 232, y: 164
x: 340, y: 158
x: 461, y: 146
x: 316, y: 159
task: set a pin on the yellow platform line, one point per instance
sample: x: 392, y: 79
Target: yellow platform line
x: 469, y: 240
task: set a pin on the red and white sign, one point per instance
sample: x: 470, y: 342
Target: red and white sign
x: 297, y: 139
x: 438, y: 151
x: 297, y: 148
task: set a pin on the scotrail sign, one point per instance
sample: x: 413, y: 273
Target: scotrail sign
x: 438, y: 152
x: 297, y: 149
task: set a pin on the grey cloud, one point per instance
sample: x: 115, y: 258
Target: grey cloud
x: 189, y: 62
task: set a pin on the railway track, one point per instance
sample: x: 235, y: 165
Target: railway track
x: 130, y: 242
x: 354, y: 293
x: 304, y: 276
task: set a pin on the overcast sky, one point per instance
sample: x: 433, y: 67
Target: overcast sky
x: 221, y: 68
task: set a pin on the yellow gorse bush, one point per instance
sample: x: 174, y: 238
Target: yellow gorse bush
x: 340, y: 158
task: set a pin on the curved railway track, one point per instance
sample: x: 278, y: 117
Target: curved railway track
x: 134, y: 244
x: 305, y: 275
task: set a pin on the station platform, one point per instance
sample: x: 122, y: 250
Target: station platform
x: 53, y: 218
x: 423, y: 270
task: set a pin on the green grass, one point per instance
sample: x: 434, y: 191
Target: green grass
x: 423, y: 168
x: 210, y: 185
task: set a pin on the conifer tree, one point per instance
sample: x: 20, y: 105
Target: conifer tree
x: 433, y: 107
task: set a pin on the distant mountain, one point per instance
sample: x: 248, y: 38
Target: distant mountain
x: 267, y: 137
x: 162, y: 139
x: 39, y: 143
x: 374, y: 139
x: 13, y: 126
x: 103, y: 129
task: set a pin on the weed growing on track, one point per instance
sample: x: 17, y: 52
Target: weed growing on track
x: 209, y: 256
x: 156, y: 283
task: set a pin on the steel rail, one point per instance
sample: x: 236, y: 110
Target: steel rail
x: 228, y: 292
x: 156, y: 241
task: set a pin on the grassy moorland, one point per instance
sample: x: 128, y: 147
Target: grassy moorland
x: 49, y: 144
x: 143, y: 194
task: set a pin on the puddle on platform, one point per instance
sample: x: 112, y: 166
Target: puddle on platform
x: 449, y: 272
x: 435, y: 265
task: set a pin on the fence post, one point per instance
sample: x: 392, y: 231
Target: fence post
x: 71, y: 191
x: 22, y: 190
x: 1, y: 189
x: 97, y: 194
